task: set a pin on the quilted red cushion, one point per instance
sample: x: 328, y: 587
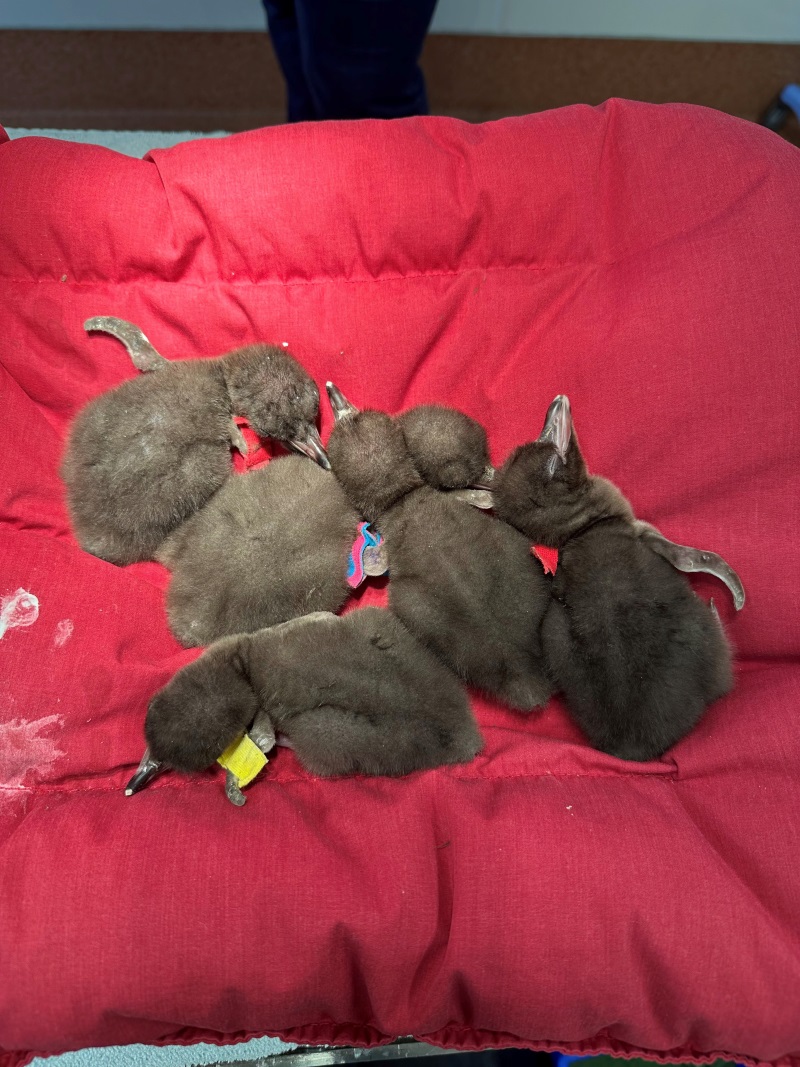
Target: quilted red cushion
x: 640, y: 259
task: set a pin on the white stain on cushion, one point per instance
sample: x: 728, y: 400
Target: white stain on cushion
x: 22, y: 748
x: 18, y: 609
x: 63, y: 632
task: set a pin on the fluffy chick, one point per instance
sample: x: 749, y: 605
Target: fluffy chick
x: 464, y: 583
x: 271, y: 545
x: 351, y: 695
x: 144, y: 456
x: 448, y: 448
x: 637, y: 655
x: 274, y: 544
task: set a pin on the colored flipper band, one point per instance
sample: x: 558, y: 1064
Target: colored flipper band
x: 548, y: 557
x: 365, y: 540
x: 244, y: 759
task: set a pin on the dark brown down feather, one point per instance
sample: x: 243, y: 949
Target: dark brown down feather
x: 143, y: 457
x: 636, y: 653
x: 463, y: 583
x: 352, y: 695
x: 270, y: 546
x: 274, y: 544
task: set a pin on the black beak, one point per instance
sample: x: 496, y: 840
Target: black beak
x: 341, y: 406
x: 311, y: 446
x: 147, y: 770
x: 557, y: 429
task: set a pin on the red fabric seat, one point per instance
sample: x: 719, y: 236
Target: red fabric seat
x: 639, y: 259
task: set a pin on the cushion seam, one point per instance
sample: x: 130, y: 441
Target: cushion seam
x: 324, y: 279
x: 46, y: 789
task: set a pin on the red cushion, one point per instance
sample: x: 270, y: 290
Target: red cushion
x: 640, y: 259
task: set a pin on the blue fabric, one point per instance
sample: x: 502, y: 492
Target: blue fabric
x: 166, y: 1055
x: 351, y: 59
x: 791, y: 97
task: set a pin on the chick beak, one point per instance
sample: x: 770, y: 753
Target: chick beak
x: 557, y: 429
x: 311, y: 446
x: 341, y: 406
x: 147, y: 770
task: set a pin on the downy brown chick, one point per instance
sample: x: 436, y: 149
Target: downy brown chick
x: 637, y: 655
x: 269, y: 546
x: 147, y: 454
x: 464, y: 583
x: 351, y: 695
x: 448, y: 448
x: 275, y: 543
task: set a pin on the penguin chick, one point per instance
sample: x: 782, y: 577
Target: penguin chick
x: 463, y: 583
x: 147, y: 454
x: 449, y: 449
x: 270, y: 545
x: 274, y: 544
x: 637, y: 655
x: 352, y: 695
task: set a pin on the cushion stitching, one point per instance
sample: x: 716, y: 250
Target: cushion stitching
x: 45, y: 788
x: 326, y: 279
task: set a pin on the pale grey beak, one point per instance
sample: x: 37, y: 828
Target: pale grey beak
x: 478, y: 498
x: 341, y: 406
x: 557, y: 429
x: 311, y: 446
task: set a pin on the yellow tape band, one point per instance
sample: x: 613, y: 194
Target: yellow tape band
x: 244, y: 759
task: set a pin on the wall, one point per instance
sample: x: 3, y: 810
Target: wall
x: 709, y: 20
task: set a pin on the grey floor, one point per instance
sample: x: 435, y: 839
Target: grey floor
x: 129, y: 142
